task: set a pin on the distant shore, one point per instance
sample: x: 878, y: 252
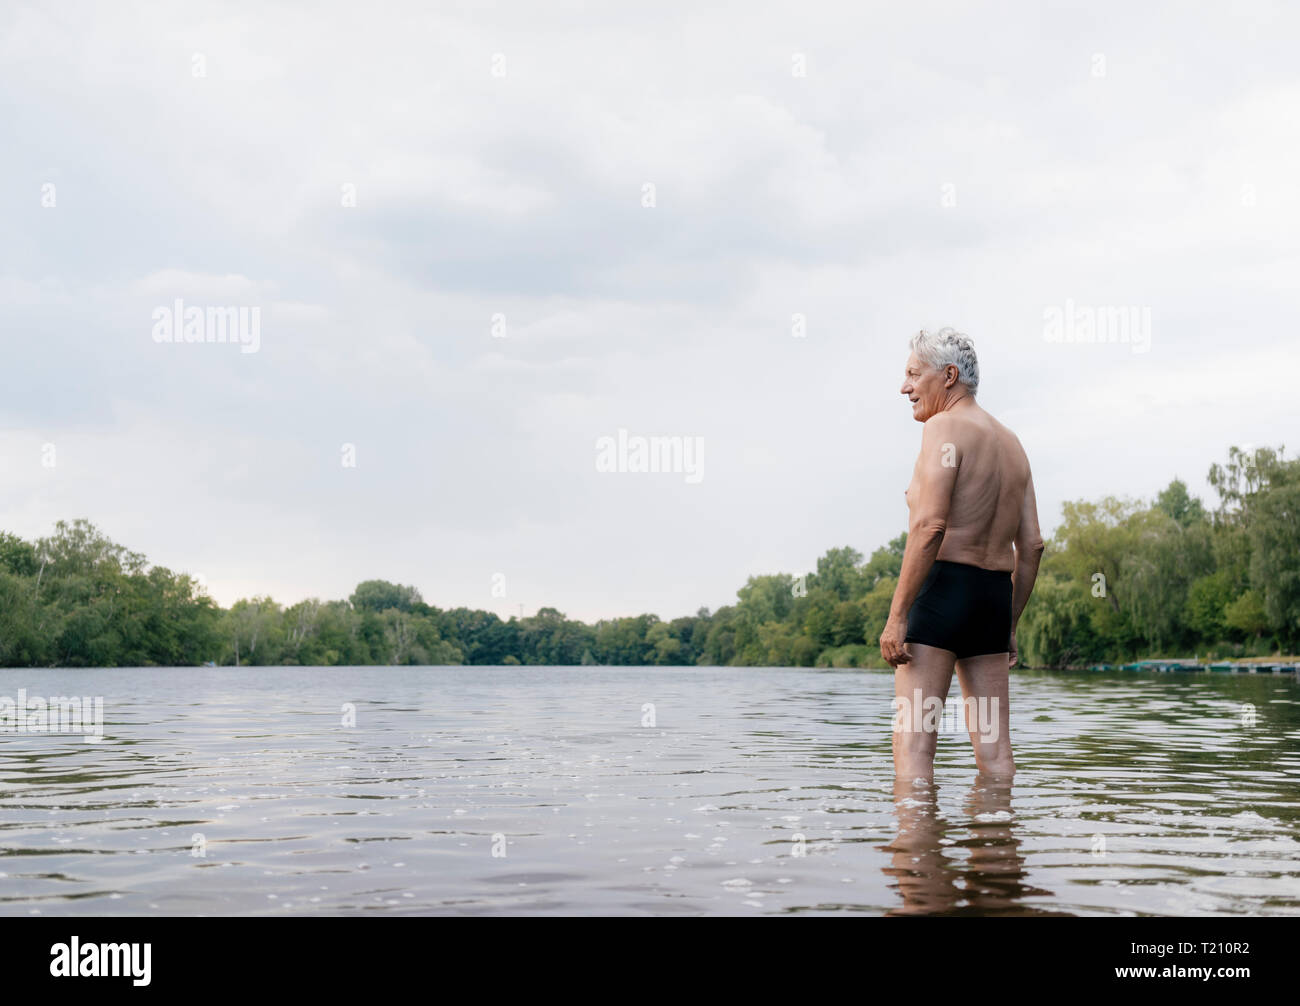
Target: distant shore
x: 1120, y: 581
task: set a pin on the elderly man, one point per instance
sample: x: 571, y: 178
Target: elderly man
x: 973, y: 547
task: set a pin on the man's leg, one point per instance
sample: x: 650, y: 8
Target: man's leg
x: 926, y: 676
x: 988, y: 717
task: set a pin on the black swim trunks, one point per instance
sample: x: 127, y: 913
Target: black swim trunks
x: 965, y: 609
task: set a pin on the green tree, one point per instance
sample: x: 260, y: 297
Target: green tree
x: 1207, y: 598
x: 380, y: 595
x: 1056, y: 627
x: 17, y: 556
x: 720, y: 643
x: 875, y: 608
x: 1178, y: 503
x: 1246, y: 614
x: 886, y: 563
x: 819, y: 619
x: 847, y: 621
x: 1274, y: 536
x: 255, y: 631
x: 665, y: 648
x: 839, y: 573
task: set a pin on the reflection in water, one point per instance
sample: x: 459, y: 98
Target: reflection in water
x: 933, y: 881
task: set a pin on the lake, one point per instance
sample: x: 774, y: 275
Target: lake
x: 642, y: 791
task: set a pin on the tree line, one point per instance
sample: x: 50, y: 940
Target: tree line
x: 1120, y: 579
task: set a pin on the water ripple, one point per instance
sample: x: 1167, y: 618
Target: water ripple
x: 642, y: 791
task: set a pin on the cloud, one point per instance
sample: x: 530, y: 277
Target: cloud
x: 499, y: 294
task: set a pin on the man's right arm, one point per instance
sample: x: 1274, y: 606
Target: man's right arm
x: 1029, y: 550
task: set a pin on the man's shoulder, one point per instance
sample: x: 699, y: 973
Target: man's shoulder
x: 1010, y: 442
x: 941, y: 421
x: 964, y: 424
x: 1002, y: 429
x: 974, y: 428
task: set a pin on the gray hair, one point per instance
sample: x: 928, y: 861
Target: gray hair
x: 948, y: 346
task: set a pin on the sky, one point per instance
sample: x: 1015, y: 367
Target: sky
x: 479, y: 238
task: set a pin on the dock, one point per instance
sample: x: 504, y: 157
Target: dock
x: 1220, y: 666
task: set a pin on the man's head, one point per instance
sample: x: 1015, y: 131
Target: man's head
x: 941, y: 369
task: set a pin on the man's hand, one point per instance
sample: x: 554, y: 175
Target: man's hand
x: 1015, y: 655
x: 892, y: 646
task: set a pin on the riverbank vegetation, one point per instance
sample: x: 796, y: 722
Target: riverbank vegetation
x: 1120, y: 580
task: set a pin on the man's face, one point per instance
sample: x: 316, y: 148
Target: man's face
x: 924, y: 388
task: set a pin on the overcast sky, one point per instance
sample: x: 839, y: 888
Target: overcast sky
x: 873, y: 168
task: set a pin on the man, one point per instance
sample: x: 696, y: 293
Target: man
x: 973, y: 547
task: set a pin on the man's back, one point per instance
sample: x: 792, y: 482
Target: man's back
x: 990, y: 494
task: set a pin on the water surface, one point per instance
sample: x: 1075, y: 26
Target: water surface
x: 642, y: 791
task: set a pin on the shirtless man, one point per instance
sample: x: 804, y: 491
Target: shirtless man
x: 973, y: 546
